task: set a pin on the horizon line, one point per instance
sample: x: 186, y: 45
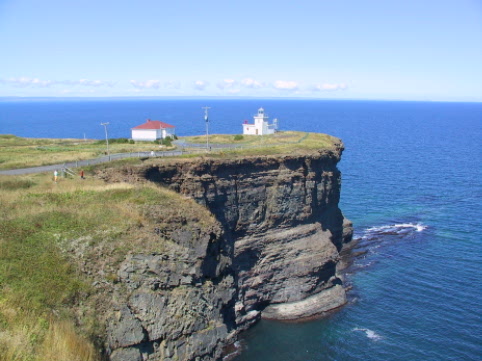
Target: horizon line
x: 225, y: 97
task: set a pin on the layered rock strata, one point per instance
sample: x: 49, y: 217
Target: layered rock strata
x: 275, y: 254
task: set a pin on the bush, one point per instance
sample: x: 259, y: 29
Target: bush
x: 131, y: 141
x: 17, y: 184
x: 167, y: 141
x: 114, y: 141
x: 238, y: 137
x: 119, y: 140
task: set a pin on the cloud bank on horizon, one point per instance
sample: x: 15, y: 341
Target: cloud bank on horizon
x: 153, y: 86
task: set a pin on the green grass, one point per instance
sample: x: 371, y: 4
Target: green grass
x: 33, y: 272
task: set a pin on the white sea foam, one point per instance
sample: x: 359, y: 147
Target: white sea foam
x: 372, y: 335
x: 397, y: 228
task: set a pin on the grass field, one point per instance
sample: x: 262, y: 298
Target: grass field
x: 17, y: 152
x: 278, y: 143
x: 280, y: 138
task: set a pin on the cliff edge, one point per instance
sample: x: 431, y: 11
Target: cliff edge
x: 273, y: 253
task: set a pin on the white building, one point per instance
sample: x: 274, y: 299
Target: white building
x: 261, y: 125
x: 153, y: 130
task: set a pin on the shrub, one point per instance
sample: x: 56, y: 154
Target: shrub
x: 17, y: 184
x: 238, y: 137
x: 119, y: 140
x: 113, y: 141
x: 167, y: 141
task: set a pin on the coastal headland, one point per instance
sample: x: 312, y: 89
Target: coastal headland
x: 174, y: 257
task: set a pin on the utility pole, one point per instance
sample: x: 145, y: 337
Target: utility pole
x: 106, y: 138
x: 206, y: 118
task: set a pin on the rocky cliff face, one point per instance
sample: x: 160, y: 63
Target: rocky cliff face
x: 274, y: 254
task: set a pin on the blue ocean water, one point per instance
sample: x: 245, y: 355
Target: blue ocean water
x: 411, y: 185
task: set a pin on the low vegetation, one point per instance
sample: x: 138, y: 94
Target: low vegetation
x: 279, y: 143
x: 55, y: 240
x: 290, y: 138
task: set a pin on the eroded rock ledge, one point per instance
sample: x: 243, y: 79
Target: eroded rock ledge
x: 274, y: 255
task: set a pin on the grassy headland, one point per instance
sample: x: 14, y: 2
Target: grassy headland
x: 56, y: 239
x: 16, y: 152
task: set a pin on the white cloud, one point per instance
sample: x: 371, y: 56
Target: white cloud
x: 285, y: 85
x: 148, y: 84
x: 200, y: 84
x: 36, y: 82
x: 330, y: 86
x: 251, y: 83
x: 227, y: 84
x: 95, y: 83
x: 26, y: 82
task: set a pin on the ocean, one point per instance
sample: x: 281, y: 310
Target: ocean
x: 411, y: 185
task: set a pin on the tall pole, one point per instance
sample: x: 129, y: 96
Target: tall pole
x: 106, y: 138
x: 206, y: 118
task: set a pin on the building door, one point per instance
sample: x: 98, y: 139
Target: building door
x: 256, y: 131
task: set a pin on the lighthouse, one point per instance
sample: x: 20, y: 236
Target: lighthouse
x: 261, y: 125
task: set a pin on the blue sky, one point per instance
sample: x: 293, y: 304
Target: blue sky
x: 343, y: 49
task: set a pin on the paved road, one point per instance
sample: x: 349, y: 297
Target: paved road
x: 83, y: 163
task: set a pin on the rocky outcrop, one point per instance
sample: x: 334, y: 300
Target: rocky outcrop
x: 173, y: 305
x: 274, y: 255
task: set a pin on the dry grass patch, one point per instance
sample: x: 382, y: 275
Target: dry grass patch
x: 63, y: 343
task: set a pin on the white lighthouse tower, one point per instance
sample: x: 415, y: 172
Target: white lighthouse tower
x: 260, y: 126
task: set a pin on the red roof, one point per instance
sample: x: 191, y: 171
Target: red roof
x: 154, y: 124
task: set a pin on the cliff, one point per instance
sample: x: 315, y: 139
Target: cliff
x: 272, y: 253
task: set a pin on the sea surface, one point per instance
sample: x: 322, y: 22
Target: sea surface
x: 411, y: 185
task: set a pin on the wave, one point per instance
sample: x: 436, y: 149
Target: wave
x: 372, y: 335
x: 397, y: 228
x: 371, y: 241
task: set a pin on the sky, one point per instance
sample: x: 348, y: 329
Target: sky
x: 327, y: 49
